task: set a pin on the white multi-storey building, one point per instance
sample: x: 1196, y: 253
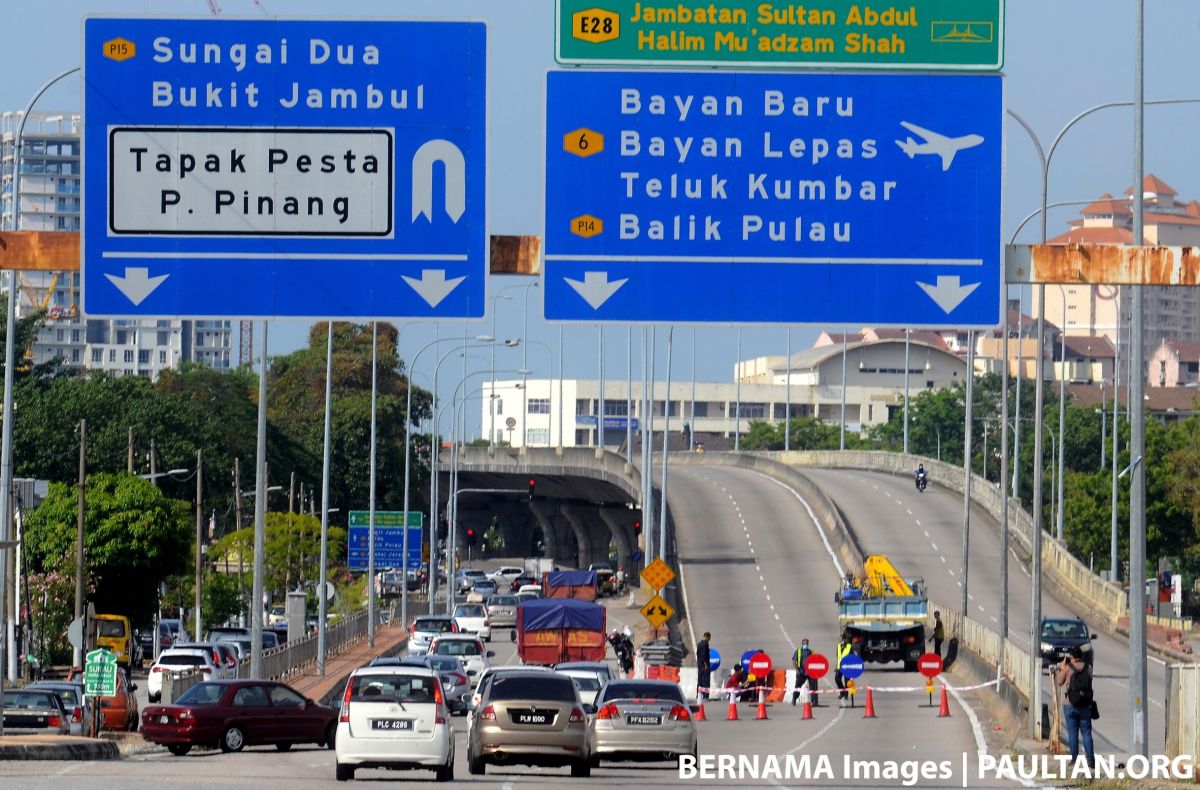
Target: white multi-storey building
x: 553, y: 412
x: 49, y: 201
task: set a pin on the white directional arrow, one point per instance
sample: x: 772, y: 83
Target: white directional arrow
x: 949, y: 292
x: 137, y: 283
x: 596, y: 289
x: 433, y: 286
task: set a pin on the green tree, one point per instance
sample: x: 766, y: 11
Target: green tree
x: 134, y: 538
x: 291, y: 551
x: 297, y: 405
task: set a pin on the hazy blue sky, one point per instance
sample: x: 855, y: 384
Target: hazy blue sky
x: 1062, y: 56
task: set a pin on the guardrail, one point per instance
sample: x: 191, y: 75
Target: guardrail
x: 296, y: 654
x: 175, y: 683
x: 1069, y: 578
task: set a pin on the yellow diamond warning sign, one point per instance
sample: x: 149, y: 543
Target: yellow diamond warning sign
x: 119, y: 49
x: 595, y: 25
x: 657, y: 611
x: 583, y: 142
x: 587, y: 226
x: 658, y: 574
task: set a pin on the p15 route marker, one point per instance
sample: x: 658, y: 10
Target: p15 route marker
x: 728, y: 197
x: 263, y: 168
x: 923, y: 35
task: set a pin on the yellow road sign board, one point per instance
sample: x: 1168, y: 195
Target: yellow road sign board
x: 657, y: 611
x: 658, y: 574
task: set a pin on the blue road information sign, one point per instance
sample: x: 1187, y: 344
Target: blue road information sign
x: 851, y: 666
x: 773, y: 198
x: 389, y: 539
x: 284, y: 168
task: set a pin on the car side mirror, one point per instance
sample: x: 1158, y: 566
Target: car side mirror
x: 133, y: 687
x: 491, y: 654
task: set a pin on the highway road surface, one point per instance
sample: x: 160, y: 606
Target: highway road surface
x: 922, y: 533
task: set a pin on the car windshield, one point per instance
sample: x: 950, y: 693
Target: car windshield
x: 182, y: 660
x: 470, y: 610
x: 68, y: 694
x: 269, y: 639
x: 586, y: 682
x: 555, y: 689
x: 29, y: 699
x: 633, y: 690
x: 201, y: 694
x: 439, y: 625
x: 503, y: 600
x: 1064, y: 629
x: 445, y: 663
x: 457, y: 647
x: 391, y: 688
x: 110, y: 628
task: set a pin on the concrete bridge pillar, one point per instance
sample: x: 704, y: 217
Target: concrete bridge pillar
x: 516, y: 525
x: 578, y: 518
x: 549, y: 517
x: 620, y: 522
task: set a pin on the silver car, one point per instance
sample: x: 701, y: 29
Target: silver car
x: 502, y: 611
x: 423, y: 631
x: 641, y: 720
x: 34, y: 712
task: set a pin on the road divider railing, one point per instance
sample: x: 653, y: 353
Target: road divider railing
x: 1069, y: 578
x: 296, y: 654
x: 174, y: 683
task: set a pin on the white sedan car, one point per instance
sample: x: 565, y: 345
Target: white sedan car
x: 467, y: 649
x: 472, y: 618
x: 394, y: 717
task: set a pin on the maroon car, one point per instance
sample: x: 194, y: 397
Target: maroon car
x: 233, y: 714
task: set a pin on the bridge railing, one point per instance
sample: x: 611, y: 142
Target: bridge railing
x: 1068, y: 578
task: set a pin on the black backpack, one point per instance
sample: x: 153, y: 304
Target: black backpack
x: 1079, y: 688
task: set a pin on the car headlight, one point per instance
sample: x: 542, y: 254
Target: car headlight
x: 1046, y: 647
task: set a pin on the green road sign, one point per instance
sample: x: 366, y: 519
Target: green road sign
x: 965, y: 35
x: 100, y: 673
x: 386, y: 518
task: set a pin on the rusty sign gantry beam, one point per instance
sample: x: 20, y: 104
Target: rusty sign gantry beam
x: 1101, y: 264
x: 35, y: 250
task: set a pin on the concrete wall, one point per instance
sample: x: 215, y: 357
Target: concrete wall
x: 1065, y: 576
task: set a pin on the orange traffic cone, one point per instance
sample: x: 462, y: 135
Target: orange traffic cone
x: 869, y: 712
x: 700, y: 711
x: 762, y: 705
x: 732, y: 716
x: 806, y: 711
x: 944, y: 708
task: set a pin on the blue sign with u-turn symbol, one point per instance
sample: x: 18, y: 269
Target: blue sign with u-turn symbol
x: 263, y: 168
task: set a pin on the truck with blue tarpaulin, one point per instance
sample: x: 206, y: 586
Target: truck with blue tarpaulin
x: 553, y: 630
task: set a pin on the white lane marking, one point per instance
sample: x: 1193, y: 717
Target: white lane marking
x: 906, y: 510
x: 777, y: 617
x: 970, y: 597
x: 769, y: 600
x: 994, y: 620
x: 918, y: 523
x: 926, y: 533
x: 950, y: 572
x: 976, y: 730
x: 943, y: 559
x: 804, y: 744
x: 931, y: 543
x: 813, y: 516
x: 981, y: 609
x: 771, y: 605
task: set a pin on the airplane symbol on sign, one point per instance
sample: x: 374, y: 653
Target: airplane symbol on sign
x: 943, y: 146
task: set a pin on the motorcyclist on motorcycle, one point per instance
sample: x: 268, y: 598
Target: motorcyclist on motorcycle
x: 921, y: 477
x: 623, y: 646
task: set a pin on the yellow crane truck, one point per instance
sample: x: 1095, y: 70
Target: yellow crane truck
x: 884, y: 613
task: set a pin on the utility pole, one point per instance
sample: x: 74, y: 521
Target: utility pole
x: 153, y: 465
x: 129, y: 453
x: 77, y: 658
x: 970, y: 395
x: 199, y: 542
x: 237, y: 515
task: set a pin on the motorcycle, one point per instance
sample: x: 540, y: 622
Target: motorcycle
x: 623, y: 647
x: 922, y: 480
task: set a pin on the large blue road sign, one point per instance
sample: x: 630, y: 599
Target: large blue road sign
x: 389, y: 547
x: 273, y: 168
x: 771, y: 198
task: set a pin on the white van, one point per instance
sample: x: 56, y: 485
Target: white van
x: 394, y: 717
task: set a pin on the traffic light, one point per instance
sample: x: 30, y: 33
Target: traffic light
x: 637, y: 525
x: 470, y: 537
x: 532, y: 486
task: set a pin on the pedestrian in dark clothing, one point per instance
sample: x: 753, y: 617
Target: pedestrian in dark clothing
x: 1075, y: 676
x: 703, y: 668
x: 844, y: 649
x: 939, y: 633
x: 799, y: 659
